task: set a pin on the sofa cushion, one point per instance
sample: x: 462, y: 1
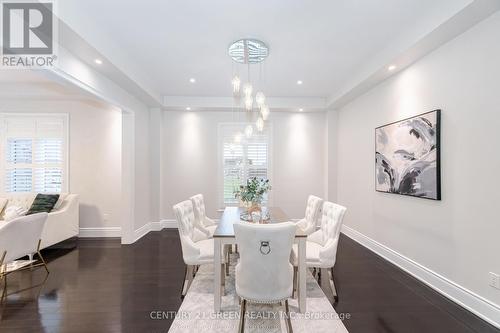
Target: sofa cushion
x: 18, y: 200
x: 44, y: 203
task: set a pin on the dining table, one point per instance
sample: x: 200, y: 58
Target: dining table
x: 224, y: 234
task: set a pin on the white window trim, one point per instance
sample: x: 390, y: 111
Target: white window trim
x: 220, y: 158
x: 66, y: 175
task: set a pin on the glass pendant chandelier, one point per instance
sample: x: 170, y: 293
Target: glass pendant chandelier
x: 248, y: 131
x: 264, y: 112
x: 249, y: 52
x: 248, y: 89
x: 260, y: 124
x: 248, y: 103
x: 260, y: 99
x: 236, y: 82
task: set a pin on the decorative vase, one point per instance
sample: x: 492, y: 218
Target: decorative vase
x: 253, y: 211
x: 254, y: 207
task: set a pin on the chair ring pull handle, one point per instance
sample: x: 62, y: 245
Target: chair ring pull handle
x: 265, y: 248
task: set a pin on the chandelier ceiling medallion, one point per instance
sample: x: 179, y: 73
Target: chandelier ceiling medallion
x: 249, y: 96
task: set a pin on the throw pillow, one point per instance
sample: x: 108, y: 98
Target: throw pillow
x: 60, y: 201
x: 44, y: 203
x: 13, y: 212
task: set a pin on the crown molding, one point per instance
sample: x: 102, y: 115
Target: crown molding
x: 208, y: 103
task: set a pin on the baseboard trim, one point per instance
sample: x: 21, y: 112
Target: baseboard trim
x: 100, y: 232
x: 476, y: 304
x: 142, y: 231
x: 169, y: 224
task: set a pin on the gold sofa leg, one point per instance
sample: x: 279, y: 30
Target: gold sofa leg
x: 41, y: 257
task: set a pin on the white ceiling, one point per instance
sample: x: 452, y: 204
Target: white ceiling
x: 324, y: 43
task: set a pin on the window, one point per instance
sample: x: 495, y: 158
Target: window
x: 34, y: 153
x: 250, y: 158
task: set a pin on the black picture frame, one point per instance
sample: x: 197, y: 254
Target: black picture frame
x: 438, y: 155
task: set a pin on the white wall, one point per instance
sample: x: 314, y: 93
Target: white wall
x: 331, y: 155
x: 142, y: 186
x: 189, y: 155
x: 457, y: 237
x: 94, y: 155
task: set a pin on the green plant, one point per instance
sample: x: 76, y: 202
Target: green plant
x: 254, y: 190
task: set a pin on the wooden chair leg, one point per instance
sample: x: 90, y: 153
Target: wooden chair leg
x: 294, y: 291
x: 241, y: 325
x: 324, y: 274
x: 184, y: 281
x: 187, y: 280
x: 332, y: 284
x: 222, y: 279
x: 287, y: 318
x: 315, y: 274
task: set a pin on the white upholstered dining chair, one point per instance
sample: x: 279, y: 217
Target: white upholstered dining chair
x: 202, y: 222
x: 313, y: 210
x: 264, y: 273
x: 197, y: 248
x: 321, y: 246
x: 18, y: 238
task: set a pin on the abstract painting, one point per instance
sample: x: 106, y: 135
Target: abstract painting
x: 407, y: 156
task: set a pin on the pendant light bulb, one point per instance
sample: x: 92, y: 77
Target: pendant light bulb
x: 260, y: 99
x: 260, y: 124
x: 264, y: 111
x: 248, y: 103
x: 248, y: 131
x: 236, y: 82
x: 248, y: 89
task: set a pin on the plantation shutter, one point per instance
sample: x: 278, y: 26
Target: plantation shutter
x: 240, y: 161
x: 35, y: 153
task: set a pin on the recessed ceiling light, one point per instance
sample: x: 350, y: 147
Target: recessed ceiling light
x: 301, y: 109
x: 98, y: 61
x: 188, y: 108
x: 299, y: 82
x: 391, y: 67
x: 192, y: 80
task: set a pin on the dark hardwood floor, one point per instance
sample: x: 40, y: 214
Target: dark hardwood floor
x: 101, y: 286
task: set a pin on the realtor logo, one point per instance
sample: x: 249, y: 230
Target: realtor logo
x: 27, y: 33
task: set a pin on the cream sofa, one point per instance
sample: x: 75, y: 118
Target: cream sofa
x: 62, y: 223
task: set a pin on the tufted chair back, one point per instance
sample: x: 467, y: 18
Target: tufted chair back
x: 184, y: 215
x: 199, y: 209
x: 20, y: 236
x: 264, y: 273
x: 313, y: 209
x: 331, y: 221
x: 308, y: 223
